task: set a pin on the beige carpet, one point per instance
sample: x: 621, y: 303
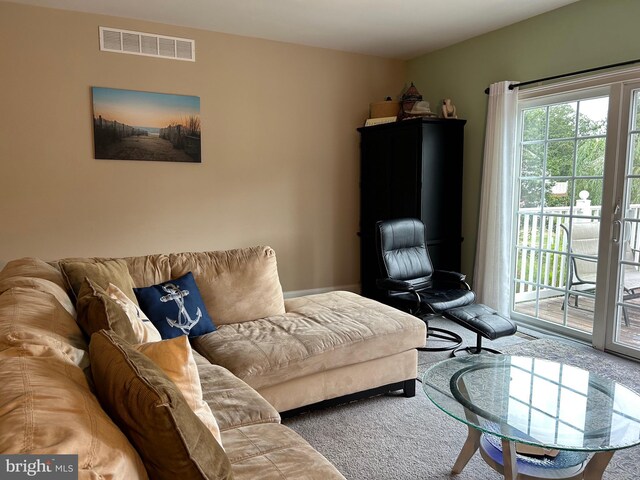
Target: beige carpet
x: 392, y: 437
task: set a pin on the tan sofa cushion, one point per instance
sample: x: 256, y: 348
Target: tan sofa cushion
x: 36, y: 274
x: 318, y: 332
x: 149, y: 269
x: 34, y: 323
x: 101, y: 272
x: 46, y: 405
x: 236, y: 285
x: 32, y: 419
x: 275, y: 452
x: 33, y: 267
x: 234, y: 402
x: 176, y: 360
x: 98, y: 311
x: 149, y: 408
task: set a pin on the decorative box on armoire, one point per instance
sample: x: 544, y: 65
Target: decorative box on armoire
x: 412, y: 168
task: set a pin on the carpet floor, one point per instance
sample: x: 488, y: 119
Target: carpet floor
x: 391, y: 437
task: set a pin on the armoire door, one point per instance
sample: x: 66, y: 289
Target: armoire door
x: 389, y: 189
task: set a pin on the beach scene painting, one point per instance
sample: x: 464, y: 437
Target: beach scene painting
x: 132, y: 125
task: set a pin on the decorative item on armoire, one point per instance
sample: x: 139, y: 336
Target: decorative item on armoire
x: 413, y: 106
x: 448, y: 109
x: 382, y: 112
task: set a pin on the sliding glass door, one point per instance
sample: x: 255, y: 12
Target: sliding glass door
x: 622, y: 306
x: 557, y: 216
x: 576, y: 240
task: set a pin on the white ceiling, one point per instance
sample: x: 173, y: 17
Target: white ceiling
x: 389, y: 28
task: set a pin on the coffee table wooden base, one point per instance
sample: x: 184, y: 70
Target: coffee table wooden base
x: 508, y: 465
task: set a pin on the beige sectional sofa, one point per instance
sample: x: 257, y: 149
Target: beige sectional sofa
x: 267, y: 356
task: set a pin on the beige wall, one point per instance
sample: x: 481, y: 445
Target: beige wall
x: 280, y: 147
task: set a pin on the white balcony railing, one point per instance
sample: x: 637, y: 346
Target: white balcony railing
x: 542, y: 245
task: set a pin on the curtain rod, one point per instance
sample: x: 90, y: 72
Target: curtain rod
x: 588, y: 70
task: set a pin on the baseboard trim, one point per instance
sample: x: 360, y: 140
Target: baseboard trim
x: 312, y: 291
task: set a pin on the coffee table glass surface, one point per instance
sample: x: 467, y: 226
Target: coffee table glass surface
x: 536, y: 402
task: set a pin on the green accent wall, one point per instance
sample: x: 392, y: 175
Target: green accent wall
x: 585, y: 34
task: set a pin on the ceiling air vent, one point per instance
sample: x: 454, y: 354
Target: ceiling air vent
x: 148, y: 44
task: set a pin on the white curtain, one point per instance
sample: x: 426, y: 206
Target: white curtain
x: 493, y: 255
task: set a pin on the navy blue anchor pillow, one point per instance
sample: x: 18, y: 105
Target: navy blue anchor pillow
x: 175, y: 308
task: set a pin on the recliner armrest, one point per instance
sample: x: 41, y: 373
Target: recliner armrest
x: 393, y: 284
x: 444, y: 278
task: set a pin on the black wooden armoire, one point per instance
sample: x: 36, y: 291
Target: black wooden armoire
x: 412, y: 168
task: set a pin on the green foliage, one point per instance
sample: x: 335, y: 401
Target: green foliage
x: 549, y: 157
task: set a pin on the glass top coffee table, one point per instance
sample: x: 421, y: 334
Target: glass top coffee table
x: 532, y: 418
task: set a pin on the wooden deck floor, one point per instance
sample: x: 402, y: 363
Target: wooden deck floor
x: 581, y: 318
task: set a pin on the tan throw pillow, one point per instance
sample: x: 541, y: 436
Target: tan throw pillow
x: 101, y: 272
x: 142, y: 327
x: 151, y: 411
x: 98, y: 311
x: 175, y: 358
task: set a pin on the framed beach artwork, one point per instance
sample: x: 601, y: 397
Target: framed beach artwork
x: 132, y: 125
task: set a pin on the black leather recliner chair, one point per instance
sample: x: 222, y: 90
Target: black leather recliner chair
x: 411, y: 284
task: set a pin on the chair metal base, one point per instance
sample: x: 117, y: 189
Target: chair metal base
x: 444, y: 335
x: 476, y: 350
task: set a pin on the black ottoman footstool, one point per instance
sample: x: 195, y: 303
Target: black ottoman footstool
x: 482, y: 320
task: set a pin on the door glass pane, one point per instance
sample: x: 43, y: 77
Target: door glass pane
x: 560, y: 159
x: 531, y: 193
x: 558, y: 193
x: 593, y: 117
x: 634, y: 154
x: 590, y: 159
x: 587, y: 197
x: 560, y: 185
x: 534, y: 124
x: 627, y: 326
x: 562, y: 120
x: 633, y: 192
x: 532, y: 160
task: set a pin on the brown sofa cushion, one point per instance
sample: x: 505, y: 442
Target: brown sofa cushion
x: 149, y: 408
x: 46, y: 405
x: 236, y: 285
x: 97, y: 311
x: 49, y: 409
x: 234, y: 402
x: 34, y: 273
x: 33, y: 267
x: 275, y: 452
x: 101, y: 272
x: 33, y: 323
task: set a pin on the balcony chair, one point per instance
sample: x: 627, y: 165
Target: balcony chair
x: 583, y: 247
x: 411, y: 284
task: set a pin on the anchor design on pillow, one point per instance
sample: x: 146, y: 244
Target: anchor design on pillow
x: 184, y: 321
